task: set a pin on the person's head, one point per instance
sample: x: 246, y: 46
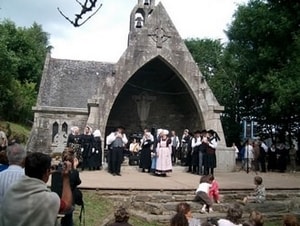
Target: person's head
x: 290, y: 220
x: 258, y: 180
x: 16, y: 154
x: 97, y: 133
x: 38, y: 165
x: 164, y: 133
x: 184, y: 208
x: 120, y: 129
x: 3, y: 158
x: 197, y: 133
x: 88, y: 130
x: 204, y: 179
x: 211, y: 178
x: 186, y: 132
x: 235, y: 213
x: 121, y: 215
x: 256, y: 218
x: 68, y: 156
x: 179, y: 219
x: 247, y: 223
x: 173, y: 133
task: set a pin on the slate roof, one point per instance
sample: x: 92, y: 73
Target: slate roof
x: 70, y: 83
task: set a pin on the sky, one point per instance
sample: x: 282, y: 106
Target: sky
x: 104, y: 36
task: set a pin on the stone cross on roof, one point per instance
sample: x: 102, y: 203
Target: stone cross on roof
x: 159, y: 35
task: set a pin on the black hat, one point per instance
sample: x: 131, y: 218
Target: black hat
x: 197, y: 131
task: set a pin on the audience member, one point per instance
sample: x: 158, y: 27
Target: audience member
x: 256, y: 218
x: 15, y: 155
x: 290, y: 220
x: 234, y: 216
x: 179, y: 219
x: 259, y: 195
x: 3, y: 141
x: 3, y: 161
x: 29, y: 201
x: 185, y: 208
x: 202, y: 194
x: 121, y: 217
x: 57, y: 184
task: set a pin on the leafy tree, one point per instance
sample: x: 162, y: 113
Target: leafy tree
x: 22, y: 56
x: 264, y: 40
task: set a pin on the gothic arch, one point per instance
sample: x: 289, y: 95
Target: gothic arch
x: 170, y: 101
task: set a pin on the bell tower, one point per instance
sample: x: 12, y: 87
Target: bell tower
x: 139, y: 16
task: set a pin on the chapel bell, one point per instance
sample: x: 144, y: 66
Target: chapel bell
x: 139, y: 22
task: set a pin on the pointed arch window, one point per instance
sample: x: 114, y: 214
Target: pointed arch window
x: 64, y: 127
x: 54, y: 130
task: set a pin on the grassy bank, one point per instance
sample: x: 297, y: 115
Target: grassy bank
x: 14, y: 131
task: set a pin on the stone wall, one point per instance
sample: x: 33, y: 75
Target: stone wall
x: 160, y: 206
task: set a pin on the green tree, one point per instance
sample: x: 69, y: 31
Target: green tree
x: 264, y: 40
x: 22, y: 56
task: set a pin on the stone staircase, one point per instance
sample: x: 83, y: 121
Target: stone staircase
x: 160, y: 205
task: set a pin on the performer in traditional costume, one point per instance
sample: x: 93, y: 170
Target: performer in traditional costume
x: 86, y: 148
x: 95, y: 161
x: 163, y: 154
x: 184, y: 147
x: 210, y: 160
x: 145, y: 156
x: 117, y: 141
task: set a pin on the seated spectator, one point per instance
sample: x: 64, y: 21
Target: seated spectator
x: 185, y: 208
x: 121, y: 217
x: 259, y: 195
x: 256, y: 218
x: 15, y: 155
x: 3, y: 161
x: 290, y: 220
x: 234, y: 216
x: 179, y: 219
x: 3, y: 141
x: 57, y: 184
x: 29, y: 201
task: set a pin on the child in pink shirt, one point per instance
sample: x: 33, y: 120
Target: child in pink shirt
x: 214, y: 189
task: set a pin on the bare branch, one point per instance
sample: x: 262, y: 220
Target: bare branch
x: 84, y: 9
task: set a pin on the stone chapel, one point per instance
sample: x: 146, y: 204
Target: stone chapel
x: 155, y: 84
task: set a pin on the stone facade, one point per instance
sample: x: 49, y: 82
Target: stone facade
x: 156, y: 84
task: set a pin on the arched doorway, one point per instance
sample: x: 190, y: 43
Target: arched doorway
x: 154, y: 97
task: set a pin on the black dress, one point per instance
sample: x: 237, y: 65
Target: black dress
x: 145, y: 156
x: 95, y: 160
x: 87, y: 145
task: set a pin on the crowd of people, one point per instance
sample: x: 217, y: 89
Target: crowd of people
x: 158, y: 152
x: 24, y: 176
x: 257, y: 155
x: 87, y: 147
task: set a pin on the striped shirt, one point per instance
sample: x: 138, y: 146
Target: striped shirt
x: 9, y: 176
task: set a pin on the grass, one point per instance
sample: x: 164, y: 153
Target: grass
x: 15, y: 131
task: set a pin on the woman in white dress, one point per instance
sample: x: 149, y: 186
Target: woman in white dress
x: 163, y: 154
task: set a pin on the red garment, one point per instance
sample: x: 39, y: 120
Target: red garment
x: 214, y: 191
x: 62, y: 206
